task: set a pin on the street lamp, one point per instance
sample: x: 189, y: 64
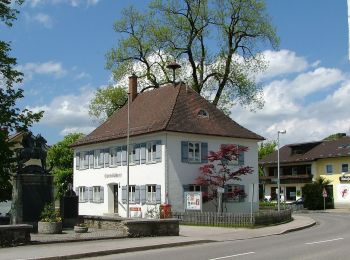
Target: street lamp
x: 127, y: 160
x: 278, y: 167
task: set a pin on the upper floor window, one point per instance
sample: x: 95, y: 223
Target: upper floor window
x: 329, y: 168
x: 77, y: 160
x: 194, y: 152
x: 114, y: 156
x: 308, y: 169
x: 154, y: 151
x: 344, y: 167
x: 98, y: 158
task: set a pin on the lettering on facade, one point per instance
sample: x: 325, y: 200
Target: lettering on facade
x: 113, y: 175
x: 344, y: 178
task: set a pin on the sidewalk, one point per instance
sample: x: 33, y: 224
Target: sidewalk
x: 188, y: 235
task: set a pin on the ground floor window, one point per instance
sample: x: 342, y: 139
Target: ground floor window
x: 82, y: 194
x: 235, y: 193
x: 193, y: 187
x: 144, y: 194
x: 90, y: 194
x: 151, y: 194
x: 97, y: 194
x: 132, y: 192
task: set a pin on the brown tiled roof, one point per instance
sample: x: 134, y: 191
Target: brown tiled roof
x: 317, y: 150
x: 168, y: 108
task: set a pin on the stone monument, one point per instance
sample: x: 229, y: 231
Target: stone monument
x: 32, y: 183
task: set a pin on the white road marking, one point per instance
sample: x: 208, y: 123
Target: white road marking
x: 324, y: 241
x: 232, y: 256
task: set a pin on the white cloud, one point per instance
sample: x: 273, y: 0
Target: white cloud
x: 317, y: 80
x: 281, y: 63
x: 93, y: 2
x: 46, y: 68
x: 73, y: 3
x: 34, y: 3
x: 310, y: 106
x: 69, y: 112
x: 82, y: 75
x: 43, y: 19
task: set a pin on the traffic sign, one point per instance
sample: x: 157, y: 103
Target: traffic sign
x: 220, y: 190
x: 324, y: 193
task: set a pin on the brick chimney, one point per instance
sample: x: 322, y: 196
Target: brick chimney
x: 133, y: 87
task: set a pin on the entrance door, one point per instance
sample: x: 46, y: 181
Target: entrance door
x: 115, y: 196
x: 291, y: 193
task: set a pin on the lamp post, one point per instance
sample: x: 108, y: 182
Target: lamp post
x: 127, y: 160
x: 278, y: 168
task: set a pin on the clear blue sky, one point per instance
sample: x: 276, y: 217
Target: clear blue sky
x: 61, y: 45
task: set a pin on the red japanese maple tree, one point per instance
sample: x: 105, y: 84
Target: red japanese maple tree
x: 222, y: 170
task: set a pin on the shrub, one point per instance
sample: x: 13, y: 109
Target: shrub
x: 312, y: 193
x: 49, y: 214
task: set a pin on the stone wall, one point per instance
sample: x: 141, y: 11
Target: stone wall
x: 13, y: 235
x: 134, y: 227
x: 152, y: 227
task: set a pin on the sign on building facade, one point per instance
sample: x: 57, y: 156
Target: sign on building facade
x: 193, y: 201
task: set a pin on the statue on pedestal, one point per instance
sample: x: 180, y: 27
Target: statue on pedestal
x: 33, y: 147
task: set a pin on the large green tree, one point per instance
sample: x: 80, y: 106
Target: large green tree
x: 60, y: 158
x: 218, y: 43
x: 106, y: 101
x: 265, y: 148
x: 12, y: 118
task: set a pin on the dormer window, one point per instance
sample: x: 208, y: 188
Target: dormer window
x: 202, y: 113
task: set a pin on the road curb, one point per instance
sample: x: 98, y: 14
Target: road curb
x: 298, y: 228
x: 123, y: 250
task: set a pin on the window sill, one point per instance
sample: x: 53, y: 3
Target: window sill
x: 194, y: 162
x: 151, y: 162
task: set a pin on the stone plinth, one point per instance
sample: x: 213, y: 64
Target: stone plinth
x: 152, y: 227
x: 14, y: 235
x: 30, y: 194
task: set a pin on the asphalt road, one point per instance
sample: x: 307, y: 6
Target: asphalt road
x: 329, y: 239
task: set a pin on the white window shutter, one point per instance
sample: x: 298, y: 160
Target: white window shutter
x: 158, y: 151
x: 143, y: 194
x: 143, y: 153
x: 124, y: 194
x: 137, y: 194
x: 102, y: 194
x: 90, y: 198
x: 158, y: 194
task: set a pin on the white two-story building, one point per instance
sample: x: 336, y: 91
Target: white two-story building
x: 172, y: 128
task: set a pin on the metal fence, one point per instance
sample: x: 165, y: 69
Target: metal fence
x: 233, y: 219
